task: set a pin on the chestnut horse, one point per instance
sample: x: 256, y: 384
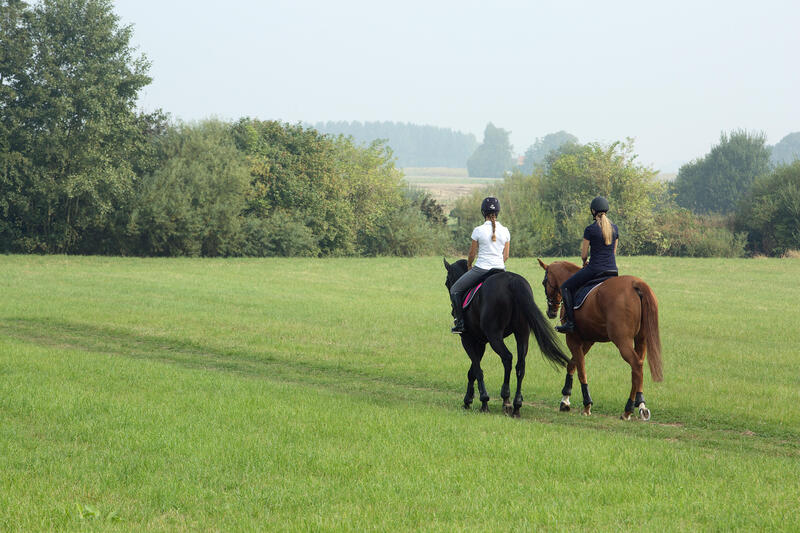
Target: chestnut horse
x: 622, y: 310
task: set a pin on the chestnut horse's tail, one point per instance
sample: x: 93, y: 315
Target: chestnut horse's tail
x: 650, y: 328
x: 540, y: 327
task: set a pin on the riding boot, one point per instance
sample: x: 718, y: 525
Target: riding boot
x: 569, y: 321
x: 458, y: 314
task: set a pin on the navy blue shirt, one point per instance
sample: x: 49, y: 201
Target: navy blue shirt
x: 601, y: 255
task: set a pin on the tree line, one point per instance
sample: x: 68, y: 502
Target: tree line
x: 82, y: 171
x: 548, y: 209
x: 732, y: 202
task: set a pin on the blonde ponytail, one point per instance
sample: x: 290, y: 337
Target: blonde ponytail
x: 605, y: 227
x: 493, y: 218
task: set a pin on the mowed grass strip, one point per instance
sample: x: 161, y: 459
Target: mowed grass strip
x: 324, y: 394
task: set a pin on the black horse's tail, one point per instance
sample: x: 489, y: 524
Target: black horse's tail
x: 540, y: 327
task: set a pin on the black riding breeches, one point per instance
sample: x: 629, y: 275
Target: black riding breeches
x: 462, y: 285
x: 571, y: 286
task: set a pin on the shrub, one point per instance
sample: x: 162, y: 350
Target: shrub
x: 192, y: 204
x: 682, y: 233
x: 770, y: 213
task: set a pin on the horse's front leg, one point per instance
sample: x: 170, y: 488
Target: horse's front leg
x: 579, y: 349
x: 566, y: 391
x: 475, y: 350
x: 499, y: 346
x: 470, y: 395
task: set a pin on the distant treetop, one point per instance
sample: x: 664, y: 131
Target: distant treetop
x: 537, y: 153
x: 413, y: 145
x: 787, y: 150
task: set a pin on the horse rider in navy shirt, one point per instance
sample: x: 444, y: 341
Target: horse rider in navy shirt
x: 600, y: 245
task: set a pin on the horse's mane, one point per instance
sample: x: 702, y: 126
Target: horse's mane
x: 567, y: 265
x: 461, y: 265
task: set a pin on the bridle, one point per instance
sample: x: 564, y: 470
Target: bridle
x: 551, y: 301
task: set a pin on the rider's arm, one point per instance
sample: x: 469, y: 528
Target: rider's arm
x: 473, y: 253
x: 584, y: 251
x: 505, y: 252
x: 616, y: 242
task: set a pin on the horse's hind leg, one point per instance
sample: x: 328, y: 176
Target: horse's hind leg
x: 499, y: 346
x: 626, y: 349
x: 640, y: 347
x: 522, y: 352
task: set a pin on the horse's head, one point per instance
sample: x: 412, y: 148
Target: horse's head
x: 552, y: 290
x: 454, y: 271
x: 555, y: 274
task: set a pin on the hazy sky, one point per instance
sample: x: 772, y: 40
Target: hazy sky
x: 672, y: 76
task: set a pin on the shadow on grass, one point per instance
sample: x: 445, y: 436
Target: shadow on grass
x: 365, y: 384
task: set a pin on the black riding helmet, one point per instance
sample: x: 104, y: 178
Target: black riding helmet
x: 599, y: 204
x: 490, y: 205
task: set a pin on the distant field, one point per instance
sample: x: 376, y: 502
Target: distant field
x: 446, y: 185
x: 308, y: 394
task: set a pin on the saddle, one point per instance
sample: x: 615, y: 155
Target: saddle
x: 582, y: 293
x: 474, y: 290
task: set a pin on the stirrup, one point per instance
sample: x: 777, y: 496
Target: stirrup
x: 458, y: 328
x: 566, y: 327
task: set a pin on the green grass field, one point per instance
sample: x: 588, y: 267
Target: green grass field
x: 300, y: 394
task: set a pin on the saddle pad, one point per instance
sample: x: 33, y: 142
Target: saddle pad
x: 583, y: 292
x: 470, y: 295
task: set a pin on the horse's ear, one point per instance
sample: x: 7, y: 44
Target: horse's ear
x: 544, y: 266
x: 446, y: 264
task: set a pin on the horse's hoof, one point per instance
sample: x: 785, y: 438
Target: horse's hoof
x: 516, y: 414
x: 644, y: 413
x: 564, y: 407
x: 484, y: 408
x: 587, y: 411
x: 467, y: 406
x: 508, y: 409
x: 625, y: 416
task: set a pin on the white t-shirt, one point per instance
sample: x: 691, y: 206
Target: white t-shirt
x: 490, y: 253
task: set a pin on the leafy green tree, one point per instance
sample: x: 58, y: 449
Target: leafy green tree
x: 314, y: 194
x: 538, y: 152
x: 70, y: 131
x: 717, y: 181
x: 17, y: 175
x: 192, y: 205
x: 294, y: 181
x: 493, y: 157
x: 770, y: 213
x: 548, y: 210
x: 787, y: 150
x: 610, y: 171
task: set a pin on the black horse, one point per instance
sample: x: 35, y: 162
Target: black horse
x: 504, y: 305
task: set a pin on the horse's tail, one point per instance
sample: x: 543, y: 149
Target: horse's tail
x: 650, y: 327
x: 541, y: 328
